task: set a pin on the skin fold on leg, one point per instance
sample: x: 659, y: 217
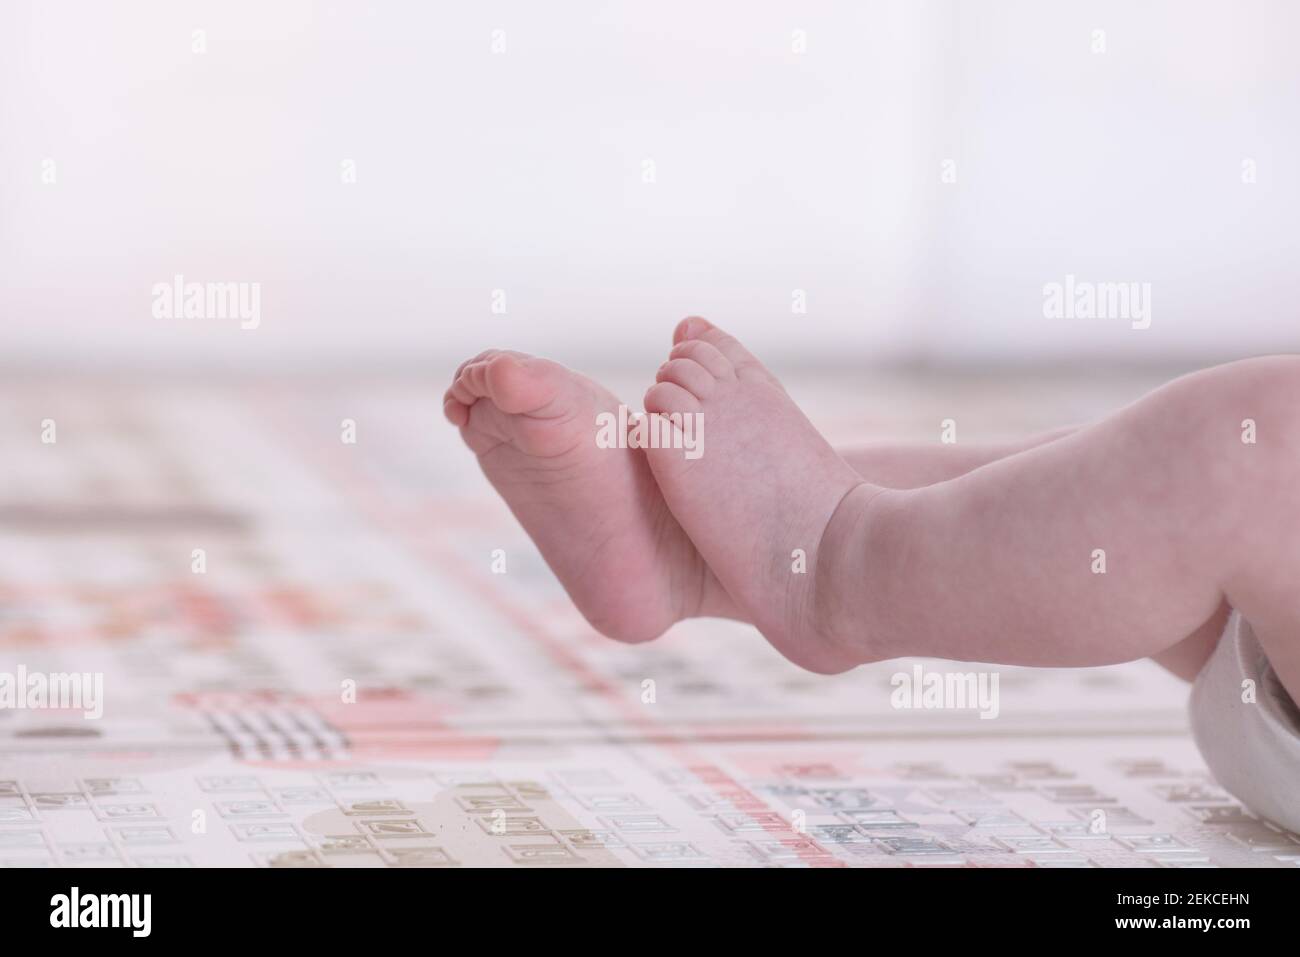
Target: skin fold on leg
x: 902, y: 465
x: 1118, y: 541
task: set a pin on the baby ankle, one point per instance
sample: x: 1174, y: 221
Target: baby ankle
x: 841, y: 589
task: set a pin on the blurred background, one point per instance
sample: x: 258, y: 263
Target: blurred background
x: 840, y: 183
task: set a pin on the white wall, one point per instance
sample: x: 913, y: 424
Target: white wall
x: 523, y: 171
x: 1122, y: 166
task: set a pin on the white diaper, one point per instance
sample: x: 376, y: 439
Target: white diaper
x: 1253, y: 749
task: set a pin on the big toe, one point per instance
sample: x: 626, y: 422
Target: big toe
x: 515, y: 383
x: 694, y: 327
x: 519, y: 385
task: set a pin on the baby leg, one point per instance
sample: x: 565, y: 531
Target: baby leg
x: 914, y: 464
x: 1112, y: 543
x: 904, y: 465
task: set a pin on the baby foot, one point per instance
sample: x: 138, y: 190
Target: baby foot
x: 595, y: 513
x: 759, y: 500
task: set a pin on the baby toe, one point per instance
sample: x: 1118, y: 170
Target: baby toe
x: 518, y: 384
x: 690, y: 375
x: 706, y: 355
x: 667, y: 398
x: 457, y: 412
x: 485, y: 354
x: 705, y: 331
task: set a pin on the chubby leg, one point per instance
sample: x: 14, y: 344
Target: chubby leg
x: 1112, y: 543
x: 916, y: 464
x: 903, y: 465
